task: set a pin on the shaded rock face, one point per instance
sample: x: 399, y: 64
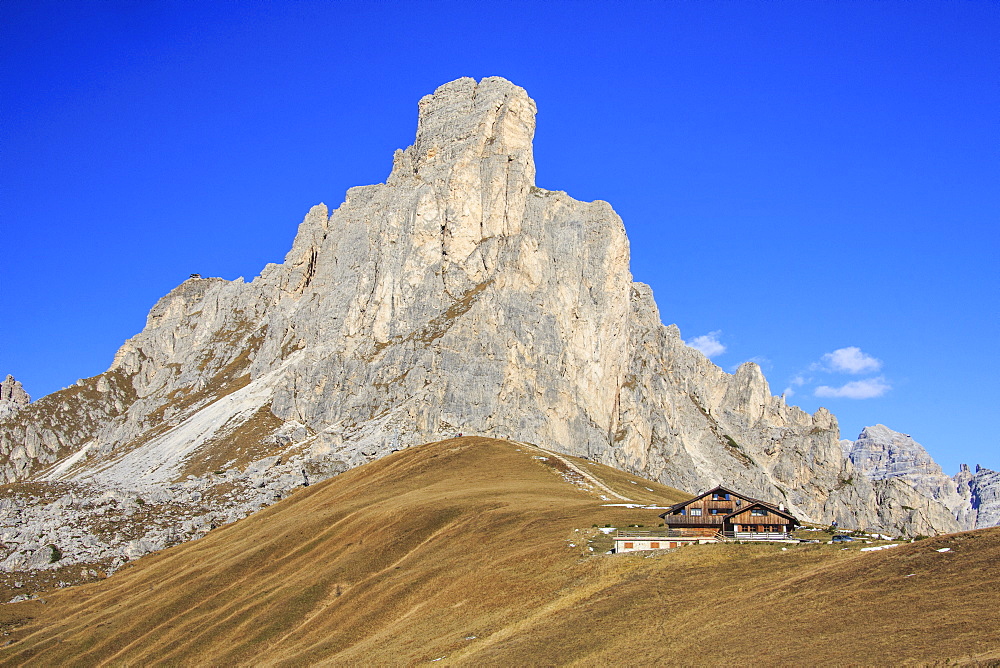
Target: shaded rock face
x: 982, y: 489
x: 985, y: 497
x: 455, y: 297
x: 12, y: 397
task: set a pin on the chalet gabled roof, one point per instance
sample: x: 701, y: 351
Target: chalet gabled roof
x: 767, y: 506
x: 718, y: 488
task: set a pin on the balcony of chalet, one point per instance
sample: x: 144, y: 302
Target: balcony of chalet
x: 693, y: 520
x: 758, y: 536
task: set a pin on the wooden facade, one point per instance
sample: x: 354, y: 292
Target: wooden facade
x: 761, y: 518
x: 724, y: 513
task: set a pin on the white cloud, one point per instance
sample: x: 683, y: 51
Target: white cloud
x: 858, y: 389
x: 796, y: 381
x: 708, y: 344
x: 851, y: 360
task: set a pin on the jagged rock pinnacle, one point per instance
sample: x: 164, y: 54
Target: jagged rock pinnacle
x: 12, y: 397
x: 491, y: 122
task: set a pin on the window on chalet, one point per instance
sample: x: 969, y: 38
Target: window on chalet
x: 719, y: 511
x: 679, y: 512
x: 720, y: 496
x: 628, y: 546
x: 759, y: 512
x: 696, y: 511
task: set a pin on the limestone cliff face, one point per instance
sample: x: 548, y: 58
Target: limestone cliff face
x: 880, y: 453
x: 983, y: 489
x: 455, y: 297
x: 972, y: 500
x: 12, y: 397
x: 982, y: 493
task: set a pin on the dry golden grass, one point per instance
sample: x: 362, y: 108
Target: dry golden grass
x: 461, y: 551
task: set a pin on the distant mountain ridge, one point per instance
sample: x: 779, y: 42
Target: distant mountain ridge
x: 881, y: 454
x: 455, y: 297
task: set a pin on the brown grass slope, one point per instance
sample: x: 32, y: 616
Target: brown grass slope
x: 474, y: 550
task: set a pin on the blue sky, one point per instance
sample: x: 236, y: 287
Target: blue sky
x: 813, y: 185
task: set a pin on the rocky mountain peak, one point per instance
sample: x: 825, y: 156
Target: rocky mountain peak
x: 454, y: 297
x: 464, y: 122
x: 880, y: 452
x: 749, y: 392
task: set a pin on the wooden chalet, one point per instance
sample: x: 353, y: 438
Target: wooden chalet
x: 724, y: 514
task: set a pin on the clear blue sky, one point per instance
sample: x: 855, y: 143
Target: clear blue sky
x: 796, y: 177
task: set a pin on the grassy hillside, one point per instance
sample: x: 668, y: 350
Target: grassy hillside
x: 475, y: 551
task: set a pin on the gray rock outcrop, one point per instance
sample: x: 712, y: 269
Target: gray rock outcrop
x: 455, y: 297
x: 881, y: 454
x: 982, y: 489
x: 12, y: 397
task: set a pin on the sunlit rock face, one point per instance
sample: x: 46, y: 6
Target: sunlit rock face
x: 881, y: 454
x: 12, y: 397
x: 455, y: 297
